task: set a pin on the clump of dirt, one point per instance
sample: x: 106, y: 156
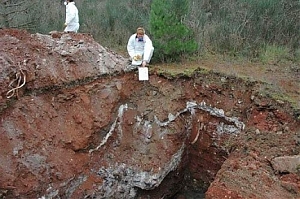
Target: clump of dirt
x: 76, y: 123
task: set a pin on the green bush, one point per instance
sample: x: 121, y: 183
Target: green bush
x: 172, y: 39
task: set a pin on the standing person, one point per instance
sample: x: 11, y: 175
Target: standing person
x: 72, y: 18
x: 140, y: 48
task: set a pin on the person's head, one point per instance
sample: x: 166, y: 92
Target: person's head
x: 140, y: 32
x: 68, y: 1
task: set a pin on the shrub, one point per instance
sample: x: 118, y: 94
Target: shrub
x: 172, y: 39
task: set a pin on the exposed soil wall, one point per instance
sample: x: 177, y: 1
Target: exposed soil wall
x: 76, y: 123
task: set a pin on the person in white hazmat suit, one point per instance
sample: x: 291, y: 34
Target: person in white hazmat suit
x: 72, y: 18
x: 140, y: 48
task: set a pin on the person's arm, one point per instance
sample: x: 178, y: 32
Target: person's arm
x: 130, y: 46
x: 147, y: 50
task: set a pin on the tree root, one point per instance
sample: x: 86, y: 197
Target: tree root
x: 17, y: 83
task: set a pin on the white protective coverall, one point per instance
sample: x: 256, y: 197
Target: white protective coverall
x: 143, y: 48
x: 72, y: 18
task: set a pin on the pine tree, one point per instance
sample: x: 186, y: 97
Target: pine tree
x: 172, y: 39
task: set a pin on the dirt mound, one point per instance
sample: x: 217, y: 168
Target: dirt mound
x: 76, y: 124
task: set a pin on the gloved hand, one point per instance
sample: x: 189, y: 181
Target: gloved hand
x: 137, y: 57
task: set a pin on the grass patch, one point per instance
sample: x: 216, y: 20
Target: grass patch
x: 272, y: 54
x: 297, y: 55
x: 173, y: 70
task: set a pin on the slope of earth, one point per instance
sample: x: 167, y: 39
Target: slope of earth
x: 280, y: 81
x: 75, y: 123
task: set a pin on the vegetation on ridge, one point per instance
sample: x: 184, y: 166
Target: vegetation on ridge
x: 263, y: 30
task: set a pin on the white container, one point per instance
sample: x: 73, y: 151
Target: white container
x: 143, y: 73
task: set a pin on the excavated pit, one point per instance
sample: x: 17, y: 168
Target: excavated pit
x: 83, y: 126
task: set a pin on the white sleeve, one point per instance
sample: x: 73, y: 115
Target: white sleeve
x: 130, y: 46
x: 148, y: 48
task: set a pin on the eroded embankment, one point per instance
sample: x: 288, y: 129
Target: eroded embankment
x: 81, y: 127
x: 114, y: 137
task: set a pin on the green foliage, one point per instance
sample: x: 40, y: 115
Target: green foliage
x: 113, y: 21
x: 49, y: 16
x: 297, y: 55
x: 172, y: 39
x: 16, y: 14
x: 244, y: 28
